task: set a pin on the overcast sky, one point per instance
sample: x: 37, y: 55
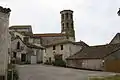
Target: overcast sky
x: 96, y: 21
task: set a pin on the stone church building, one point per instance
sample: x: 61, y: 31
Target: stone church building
x: 44, y: 46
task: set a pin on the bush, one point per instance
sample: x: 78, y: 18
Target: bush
x: 15, y: 75
x: 39, y: 62
x: 48, y: 63
x: 60, y: 63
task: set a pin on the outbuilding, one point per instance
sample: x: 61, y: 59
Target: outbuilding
x: 102, y: 57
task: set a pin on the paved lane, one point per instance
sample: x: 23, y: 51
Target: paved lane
x: 44, y: 72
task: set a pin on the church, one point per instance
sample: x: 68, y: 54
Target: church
x: 27, y: 47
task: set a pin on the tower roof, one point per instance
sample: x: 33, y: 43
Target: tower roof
x: 66, y: 11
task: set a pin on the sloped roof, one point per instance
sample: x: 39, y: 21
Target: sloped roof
x: 82, y: 43
x: 96, y: 52
x: 20, y: 27
x: 33, y: 46
x: 116, y: 37
x: 65, y: 41
x: 49, y: 34
x: 25, y: 33
x: 29, y: 44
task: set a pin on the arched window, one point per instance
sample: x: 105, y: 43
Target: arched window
x: 66, y: 15
x: 18, y: 45
x: 63, y: 26
x: 72, y: 25
x: 71, y: 16
x: 62, y: 16
x: 67, y: 25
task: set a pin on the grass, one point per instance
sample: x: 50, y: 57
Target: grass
x: 116, y: 77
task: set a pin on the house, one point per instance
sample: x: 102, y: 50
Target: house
x: 26, y: 52
x: 102, y: 57
x: 21, y: 28
x: 63, y: 48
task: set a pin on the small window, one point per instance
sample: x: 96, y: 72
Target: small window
x: 54, y: 47
x: 72, y: 25
x: 18, y: 45
x: 14, y: 54
x: 62, y: 16
x: 50, y: 59
x: 61, y: 47
x: 66, y: 15
x: 67, y: 25
x: 71, y: 16
x: 63, y: 25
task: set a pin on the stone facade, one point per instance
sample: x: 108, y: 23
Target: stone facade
x: 19, y: 49
x: 68, y: 49
x: 67, y: 24
x: 86, y: 64
x: 4, y: 23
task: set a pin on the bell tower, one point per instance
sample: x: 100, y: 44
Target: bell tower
x: 67, y: 24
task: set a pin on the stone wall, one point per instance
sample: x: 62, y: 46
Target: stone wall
x: 48, y: 40
x: 68, y: 50
x: 4, y: 23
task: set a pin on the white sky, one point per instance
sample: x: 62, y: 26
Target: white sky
x: 96, y: 21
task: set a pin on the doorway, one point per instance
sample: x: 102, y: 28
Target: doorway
x: 23, y: 57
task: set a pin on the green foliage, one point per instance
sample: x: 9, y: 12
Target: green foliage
x: 59, y: 63
x: 14, y: 73
x: 48, y: 63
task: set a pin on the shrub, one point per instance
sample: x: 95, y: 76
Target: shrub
x: 48, y: 63
x: 39, y: 62
x: 15, y: 75
x: 59, y: 63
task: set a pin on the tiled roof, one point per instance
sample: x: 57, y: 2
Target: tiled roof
x: 20, y: 26
x: 94, y: 52
x: 64, y: 41
x: 25, y: 33
x: 33, y: 46
x: 29, y: 44
x: 49, y: 34
x: 116, y: 37
x: 82, y: 43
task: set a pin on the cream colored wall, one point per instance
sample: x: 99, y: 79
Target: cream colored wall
x: 14, y: 48
x: 93, y: 64
x: 68, y: 50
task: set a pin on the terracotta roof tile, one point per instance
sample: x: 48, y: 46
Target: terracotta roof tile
x: 64, y: 41
x: 50, y: 34
x: 100, y: 51
x: 20, y: 26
